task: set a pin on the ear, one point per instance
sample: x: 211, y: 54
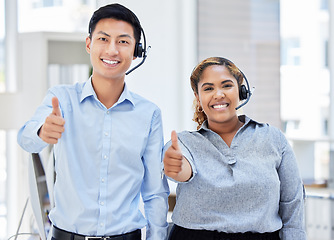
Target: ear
x: 197, y: 97
x: 88, y: 41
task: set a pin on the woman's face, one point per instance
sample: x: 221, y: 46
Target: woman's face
x: 218, y: 94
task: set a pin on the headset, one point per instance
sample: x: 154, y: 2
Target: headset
x: 140, y: 52
x: 244, y: 92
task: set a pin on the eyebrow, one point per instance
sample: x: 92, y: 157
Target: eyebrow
x: 211, y: 84
x: 120, y: 36
x: 104, y: 33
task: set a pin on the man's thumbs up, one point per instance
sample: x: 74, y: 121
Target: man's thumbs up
x: 55, y: 107
x: 53, y: 126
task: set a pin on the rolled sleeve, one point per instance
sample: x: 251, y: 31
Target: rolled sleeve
x: 27, y: 136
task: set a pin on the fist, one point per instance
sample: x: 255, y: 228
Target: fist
x: 53, y: 126
x: 173, y: 158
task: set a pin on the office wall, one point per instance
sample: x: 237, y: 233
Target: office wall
x: 170, y: 28
x: 182, y: 33
x: 246, y: 32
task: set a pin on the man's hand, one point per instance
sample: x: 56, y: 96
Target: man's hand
x: 53, y: 126
x: 175, y: 165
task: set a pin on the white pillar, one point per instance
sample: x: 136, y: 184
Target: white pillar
x: 331, y: 93
x: 11, y: 29
x: 11, y: 33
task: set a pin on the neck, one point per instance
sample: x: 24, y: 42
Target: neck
x: 108, y: 91
x: 226, y: 130
x: 227, y: 127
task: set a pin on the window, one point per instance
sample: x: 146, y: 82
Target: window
x: 3, y: 172
x: 290, y: 51
x: 326, y: 50
x: 54, y: 15
x: 304, y: 61
x: 324, y: 4
x: 3, y: 178
x: 46, y: 3
x: 2, y: 46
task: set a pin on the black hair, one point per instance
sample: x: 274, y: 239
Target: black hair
x: 118, y: 12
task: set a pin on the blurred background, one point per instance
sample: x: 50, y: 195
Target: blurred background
x: 284, y: 47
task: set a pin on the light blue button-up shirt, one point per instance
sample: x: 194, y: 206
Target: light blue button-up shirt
x: 105, y: 160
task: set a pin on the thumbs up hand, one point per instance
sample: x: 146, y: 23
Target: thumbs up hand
x: 176, y: 165
x: 53, y: 126
x: 55, y: 107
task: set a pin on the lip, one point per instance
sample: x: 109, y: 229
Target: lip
x: 110, y: 62
x: 220, y: 106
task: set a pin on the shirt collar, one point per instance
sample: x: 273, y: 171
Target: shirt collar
x: 88, y: 91
x: 126, y: 96
x: 242, y: 118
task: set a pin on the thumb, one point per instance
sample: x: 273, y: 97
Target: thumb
x: 175, y: 143
x: 55, y: 107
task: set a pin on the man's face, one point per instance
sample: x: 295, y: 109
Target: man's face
x: 111, y: 47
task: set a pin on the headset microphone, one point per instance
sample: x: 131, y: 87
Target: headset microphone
x: 244, y: 93
x: 139, y: 64
x: 140, y: 52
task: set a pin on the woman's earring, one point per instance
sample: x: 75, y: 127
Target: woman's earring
x: 199, y: 108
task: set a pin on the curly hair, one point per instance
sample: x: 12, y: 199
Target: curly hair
x: 199, y: 114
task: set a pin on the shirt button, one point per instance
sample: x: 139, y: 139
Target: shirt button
x: 101, y: 224
x: 106, y: 134
x: 105, y: 157
x: 108, y: 112
x: 102, y: 180
x: 102, y: 203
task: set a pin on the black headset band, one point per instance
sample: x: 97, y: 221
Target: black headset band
x: 143, y: 53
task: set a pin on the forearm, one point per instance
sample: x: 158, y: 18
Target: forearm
x: 292, y: 196
x: 28, y: 137
x: 156, y: 209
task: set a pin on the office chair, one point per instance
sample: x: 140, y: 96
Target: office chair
x: 41, y: 181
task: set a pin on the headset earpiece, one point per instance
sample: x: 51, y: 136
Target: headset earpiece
x: 139, y: 51
x: 243, y: 92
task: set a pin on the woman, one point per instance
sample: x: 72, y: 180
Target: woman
x: 237, y: 178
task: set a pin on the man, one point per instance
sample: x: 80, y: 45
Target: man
x: 108, y: 142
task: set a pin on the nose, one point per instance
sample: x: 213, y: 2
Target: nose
x: 219, y: 94
x: 112, y: 49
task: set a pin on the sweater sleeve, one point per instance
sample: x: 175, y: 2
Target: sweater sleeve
x: 291, y: 208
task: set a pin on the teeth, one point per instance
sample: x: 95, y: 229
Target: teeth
x: 219, y: 106
x: 109, y: 62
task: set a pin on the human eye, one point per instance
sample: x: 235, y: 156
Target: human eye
x: 206, y: 89
x: 228, y: 85
x: 123, y: 41
x: 103, y: 39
